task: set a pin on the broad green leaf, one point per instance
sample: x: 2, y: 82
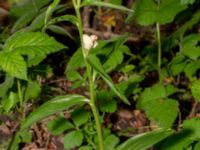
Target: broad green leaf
x: 116, y: 2
x: 37, y: 23
x: 148, y: 12
x: 190, y: 46
x: 177, y: 64
x: 52, y: 106
x: 75, y: 62
x: 10, y: 102
x: 197, y: 146
x: 95, y: 63
x: 192, y: 126
x: 59, y: 125
x: 115, y: 58
x: 50, y: 10
x: 106, y: 101
x: 32, y: 91
x: 145, y: 140
x: 6, y: 85
x: 25, y: 6
x: 69, y: 18
x: 73, y: 139
x: 35, y: 45
x: 104, y: 4
x: 80, y: 116
x: 13, y: 64
x: 158, y: 107
x: 23, y: 21
x: 196, y: 89
x: 191, y: 69
x: 111, y: 142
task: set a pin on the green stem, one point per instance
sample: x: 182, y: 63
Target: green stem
x: 90, y: 77
x: 20, y: 97
x: 159, y: 47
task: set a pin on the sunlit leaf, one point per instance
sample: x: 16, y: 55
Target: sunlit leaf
x: 104, y: 4
x: 52, y: 106
x: 145, y: 140
x: 13, y: 64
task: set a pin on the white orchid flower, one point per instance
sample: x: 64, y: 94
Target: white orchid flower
x: 89, y: 41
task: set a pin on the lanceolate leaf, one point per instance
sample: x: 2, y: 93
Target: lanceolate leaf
x: 34, y: 44
x: 55, y: 105
x: 95, y: 63
x: 13, y: 64
x: 148, y: 12
x: 69, y: 18
x: 104, y: 4
x: 145, y: 140
x: 50, y: 10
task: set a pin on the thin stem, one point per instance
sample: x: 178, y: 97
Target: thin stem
x: 159, y: 47
x: 20, y: 97
x: 91, y: 81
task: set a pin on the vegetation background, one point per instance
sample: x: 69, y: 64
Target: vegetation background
x: 99, y: 74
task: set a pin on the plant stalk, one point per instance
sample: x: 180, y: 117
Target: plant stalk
x: 159, y: 47
x: 90, y: 77
x: 20, y: 97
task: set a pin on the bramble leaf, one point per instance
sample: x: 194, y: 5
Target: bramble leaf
x: 148, y: 12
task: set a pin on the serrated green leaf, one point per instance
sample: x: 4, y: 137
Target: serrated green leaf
x: 190, y: 46
x: 80, y: 116
x: 13, y: 64
x: 111, y: 142
x: 145, y: 140
x: 115, y: 58
x: 191, y: 69
x: 158, y: 107
x: 75, y: 62
x: 35, y: 45
x: 196, y: 89
x: 52, y: 106
x: 95, y: 63
x: 10, y: 102
x: 59, y: 125
x: 32, y: 91
x: 148, y: 12
x: 177, y: 64
x: 73, y: 139
x: 104, y: 4
x: 6, y: 85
